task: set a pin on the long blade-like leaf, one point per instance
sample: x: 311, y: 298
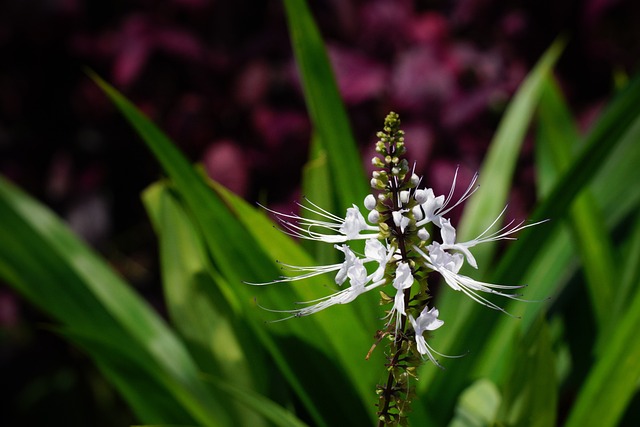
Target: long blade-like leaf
x: 557, y: 138
x: 361, y: 319
x: 610, y: 130
x: 61, y: 275
x: 483, y: 208
x: 194, y: 308
x: 617, y: 122
x: 501, y: 159
x: 531, y: 392
x: 614, y: 379
x: 240, y: 254
x: 554, y: 262
x: 325, y: 106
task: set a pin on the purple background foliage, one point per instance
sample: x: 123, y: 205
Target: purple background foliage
x: 219, y: 78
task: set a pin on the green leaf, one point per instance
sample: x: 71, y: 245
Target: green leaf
x: 135, y: 379
x: 613, y: 380
x: 188, y: 287
x: 630, y: 273
x: 458, y: 311
x: 528, y: 262
x: 495, y: 179
x: 477, y: 406
x: 163, y: 425
x: 550, y: 267
x: 557, y: 138
x: 501, y: 159
x: 55, y: 271
x: 316, y: 182
x: 546, y: 277
x: 531, y: 391
x: 271, y: 411
x: 617, y: 126
x: 549, y: 271
x: 242, y: 254
x: 620, y: 118
x: 325, y: 106
x: 252, y: 333
x: 217, y: 226
x: 361, y: 316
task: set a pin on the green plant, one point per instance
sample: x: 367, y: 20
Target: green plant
x: 220, y: 364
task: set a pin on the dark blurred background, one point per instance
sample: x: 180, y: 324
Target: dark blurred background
x: 220, y: 79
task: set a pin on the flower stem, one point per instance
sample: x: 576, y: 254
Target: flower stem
x: 386, y: 417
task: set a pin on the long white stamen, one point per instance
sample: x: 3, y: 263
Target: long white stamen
x: 471, y: 188
x: 319, y: 211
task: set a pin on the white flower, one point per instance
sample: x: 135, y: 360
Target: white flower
x: 403, y: 280
x: 353, y: 223
x: 427, y: 211
x: 448, y: 265
x: 358, y: 280
x: 448, y: 234
x: 446, y: 257
x: 357, y: 275
x: 349, y: 260
x: 426, y: 321
x: 352, y: 268
x: 400, y: 220
x: 376, y: 251
x: 352, y: 227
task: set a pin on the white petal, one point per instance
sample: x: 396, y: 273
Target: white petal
x: 349, y: 260
x: 397, y: 217
x: 398, y: 303
x: 404, y: 278
x: 375, y: 250
x: 448, y: 232
x: 431, y: 205
x: 400, y: 220
x: 353, y: 224
x: 428, y: 319
x: 421, y: 342
x: 357, y: 274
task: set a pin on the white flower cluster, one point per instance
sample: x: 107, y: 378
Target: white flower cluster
x: 416, y: 210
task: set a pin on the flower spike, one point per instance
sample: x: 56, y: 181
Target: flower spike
x: 401, y: 251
